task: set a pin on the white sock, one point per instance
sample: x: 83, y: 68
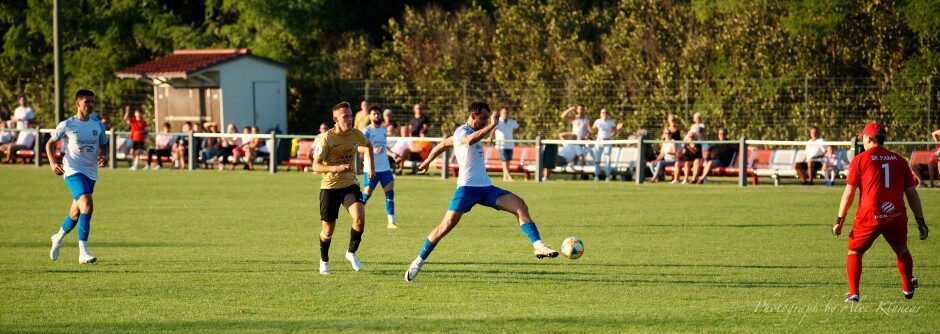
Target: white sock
x: 83, y: 246
x: 419, y: 261
x: 538, y: 243
x: 391, y: 219
x: 61, y: 232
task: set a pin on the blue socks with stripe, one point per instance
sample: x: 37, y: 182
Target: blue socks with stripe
x: 390, y: 202
x: 531, y: 231
x: 426, y: 250
x: 84, y: 226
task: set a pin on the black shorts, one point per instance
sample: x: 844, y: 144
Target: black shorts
x: 330, y: 199
x: 137, y: 145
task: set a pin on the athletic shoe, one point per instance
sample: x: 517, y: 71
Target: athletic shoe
x: 324, y: 268
x: 596, y: 179
x: 354, y: 260
x: 392, y: 226
x: 56, y: 243
x: 914, y: 286
x: 156, y: 167
x: 674, y: 182
x: 86, y: 258
x: 851, y: 299
x: 134, y: 167
x: 412, y: 271
x: 542, y: 250
x: 146, y: 167
x: 684, y: 182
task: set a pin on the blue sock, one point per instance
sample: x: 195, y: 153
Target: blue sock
x: 365, y: 197
x: 428, y: 247
x: 531, y: 231
x: 68, y: 224
x: 84, y: 226
x: 390, y: 202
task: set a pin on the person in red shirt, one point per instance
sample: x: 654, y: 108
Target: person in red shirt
x: 138, y: 134
x: 883, y: 178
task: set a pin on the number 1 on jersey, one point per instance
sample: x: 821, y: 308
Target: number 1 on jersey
x: 887, y: 176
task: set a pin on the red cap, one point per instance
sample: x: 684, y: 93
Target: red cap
x: 873, y: 129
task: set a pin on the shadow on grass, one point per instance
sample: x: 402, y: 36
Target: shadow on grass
x: 105, y: 244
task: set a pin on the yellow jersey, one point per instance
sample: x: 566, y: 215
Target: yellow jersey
x: 334, y: 149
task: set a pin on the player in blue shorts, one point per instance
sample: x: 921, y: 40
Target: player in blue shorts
x: 475, y: 187
x: 86, y: 149
x: 377, y: 135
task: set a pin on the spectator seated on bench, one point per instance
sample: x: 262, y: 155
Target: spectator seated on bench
x: 21, y: 148
x: 924, y: 166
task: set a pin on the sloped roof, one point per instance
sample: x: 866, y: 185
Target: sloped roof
x: 183, y: 63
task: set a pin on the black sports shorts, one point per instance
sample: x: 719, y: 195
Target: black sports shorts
x: 330, y: 199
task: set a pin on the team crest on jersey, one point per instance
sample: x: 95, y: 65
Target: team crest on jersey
x: 94, y: 132
x: 887, y: 207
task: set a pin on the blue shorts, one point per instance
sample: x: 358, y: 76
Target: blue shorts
x: 505, y: 155
x: 466, y: 197
x: 79, y: 184
x: 385, y: 177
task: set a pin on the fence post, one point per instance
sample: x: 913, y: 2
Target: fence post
x: 742, y: 162
x: 686, y: 100
x: 445, y: 165
x: 930, y: 96
x: 192, y: 151
x: 272, y: 153
x: 38, y: 147
x: 568, y: 93
x: 365, y: 95
x: 112, y: 149
x: 464, y: 87
x: 806, y: 102
x: 640, y: 162
x: 538, y: 158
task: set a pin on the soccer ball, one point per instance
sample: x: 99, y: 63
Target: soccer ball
x: 572, y: 247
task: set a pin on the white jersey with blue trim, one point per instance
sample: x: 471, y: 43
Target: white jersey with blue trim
x: 379, y: 139
x: 83, y: 141
x: 472, y: 170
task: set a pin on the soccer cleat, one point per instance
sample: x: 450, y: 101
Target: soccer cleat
x: 86, y: 258
x: 392, y: 226
x: 851, y: 299
x: 156, y: 167
x: 412, y: 271
x: 56, y: 243
x: 354, y: 260
x: 324, y: 268
x: 914, y: 286
x: 542, y: 251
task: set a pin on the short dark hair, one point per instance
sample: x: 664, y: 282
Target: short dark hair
x: 477, y: 107
x: 375, y: 108
x: 341, y: 105
x: 83, y: 93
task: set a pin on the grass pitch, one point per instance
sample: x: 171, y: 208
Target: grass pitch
x: 210, y: 251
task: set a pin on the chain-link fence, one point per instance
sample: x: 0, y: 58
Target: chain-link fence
x: 780, y: 108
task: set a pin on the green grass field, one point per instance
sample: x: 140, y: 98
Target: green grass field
x: 210, y: 251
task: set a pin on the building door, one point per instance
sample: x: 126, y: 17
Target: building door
x: 266, y: 97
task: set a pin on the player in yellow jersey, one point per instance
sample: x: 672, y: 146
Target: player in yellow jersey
x: 334, y: 155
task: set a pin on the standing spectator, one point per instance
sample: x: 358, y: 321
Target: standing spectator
x: 419, y: 122
x: 164, y: 148
x: 5, y: 115
x: 24, y: 141
x: 23, y: 115
x: 505, y: 129
x: 884, y: 179
x: 689, y: 159
x: 931, y: 166
x: 697, y: 124
x: 605, y: 131
x: 719, y: 155
x: 362, y: 116
x: 579, y: 121
x: 815, y: 150
x: 138, y: 134
x: 831, y: 166
x: 212, y: 146
x: 666, y: 156
x: 388, y: 123
x: 675, y: 131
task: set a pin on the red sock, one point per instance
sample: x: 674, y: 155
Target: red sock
x: 853, y: 268
x: 906, y: 268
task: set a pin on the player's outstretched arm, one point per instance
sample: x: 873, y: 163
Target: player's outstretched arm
x: 443, y: 145
x: 50, y: 152
x: 913, y: 199
x: 847, y: 197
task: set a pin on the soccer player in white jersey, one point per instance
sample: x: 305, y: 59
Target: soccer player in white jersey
x: 377, y: 135
x: 475, y: 187
x: 605, y: 128
x: 86, y: 147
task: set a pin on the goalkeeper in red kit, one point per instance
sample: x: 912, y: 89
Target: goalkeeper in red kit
x: 883, y: 178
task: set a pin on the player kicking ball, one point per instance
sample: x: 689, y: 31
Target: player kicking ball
x: 883, y: 178
x: 378, y: 137
x: 474, y: 186
x: 334, y: 156
x: 87, y: 144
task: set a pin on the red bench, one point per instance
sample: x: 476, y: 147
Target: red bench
x: 922, y: 157
x: 29, y: 154
x: 301, y: 161
x: 521, y: 156
x: 757, y: 159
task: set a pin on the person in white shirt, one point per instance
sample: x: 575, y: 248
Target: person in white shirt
x: 6, y: 137
x: 815, y: 152
x: 474, y: 186
x: 605, y: 128
x: 505, y: 128
x: 378, y: 136
x: 23, y: 115
x: 86, y: 150
x: 24, y: 141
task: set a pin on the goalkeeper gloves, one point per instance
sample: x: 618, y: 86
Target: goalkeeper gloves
x: 837, y: 226
x: 922, y: 227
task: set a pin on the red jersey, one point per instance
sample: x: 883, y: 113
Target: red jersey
x: 881, y: 177
x: 138, y: 129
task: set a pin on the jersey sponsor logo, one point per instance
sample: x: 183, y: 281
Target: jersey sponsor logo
x: 86, y: 148
x: 887, y: 207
